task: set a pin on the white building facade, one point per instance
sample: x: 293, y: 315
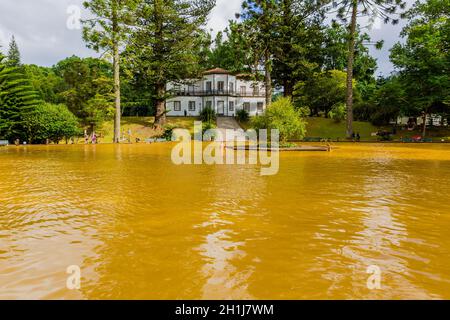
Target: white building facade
x: 219, y: 89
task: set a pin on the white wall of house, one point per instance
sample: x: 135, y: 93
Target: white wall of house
x: 437, y: 120
x: 179, y: 106
x: 225, y: 93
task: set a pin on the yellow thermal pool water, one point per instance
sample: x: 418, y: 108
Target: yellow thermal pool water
x: 140, y: 227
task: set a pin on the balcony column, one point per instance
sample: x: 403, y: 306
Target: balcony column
x: 227, y: 101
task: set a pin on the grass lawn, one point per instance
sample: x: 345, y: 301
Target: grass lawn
x: 329, y: 129
x: 142, y: 127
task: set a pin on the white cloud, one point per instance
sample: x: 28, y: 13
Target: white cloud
x: 40, y: 28
x: 224, y: 11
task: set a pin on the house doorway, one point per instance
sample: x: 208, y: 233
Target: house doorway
x: 220, y: 108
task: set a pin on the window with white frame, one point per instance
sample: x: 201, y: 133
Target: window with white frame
x: 208, y: 86
x: 260, y: 106
x: 243, y: 90
x: 255, y: 90
x: 220, y: 86
x: 209, y: 104
x: 177, y: 106
x: 247, y: 106
x: 231, y: 87
x: 231, y: 106
x: 191, y: 105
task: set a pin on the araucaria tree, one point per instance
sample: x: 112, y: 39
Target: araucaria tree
x: 260, y: 17
x: 17, y: 98
x: 298, y: 43
x: 165, y: 43
x: 13, y: 59
x: 108, y: 30
x: 349, y: 11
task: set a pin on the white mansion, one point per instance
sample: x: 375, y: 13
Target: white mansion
x: 219, y: 89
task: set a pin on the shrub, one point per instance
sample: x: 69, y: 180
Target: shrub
x: 208, y: 114
x: 338, y: 112
x: 242, y: 115
x: 207, y: 126
x: 51, y: 121
x: 283, y: 116
x: 168, y: 130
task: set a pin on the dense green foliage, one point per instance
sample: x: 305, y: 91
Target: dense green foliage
x: 288, y: 44
x: 281, y: 115
x: 51, y: 122
x: 298, y: 41
x: 242, y: 115
x: 321, y: 91
x: 44, y: 81
x: 164, y: 45
x: 86, y: 89
x: 17, y: 99
x: 107, y: 30
x: 228, y: 51
x: 208, y: 115
x: 385, y: 102
x: 424, y: 60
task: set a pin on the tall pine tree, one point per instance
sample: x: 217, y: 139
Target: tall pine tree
x: 299, y: 41
x: 164, y: 47
x: 13, y: 59
x: 108, y: 30
x: 260, y: 17
x: 17, y: 98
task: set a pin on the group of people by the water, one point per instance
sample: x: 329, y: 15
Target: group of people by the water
x: 356, y: 137
x: 93, y: 139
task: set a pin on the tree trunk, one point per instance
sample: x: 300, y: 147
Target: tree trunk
x: 268, y: 78
x: 160, y: 117
x: 287, y: 20
x: 160, y: 87
x: 116, y: 66
x: 288, y: 88
x: 351, y: 56
x: 424, y: 128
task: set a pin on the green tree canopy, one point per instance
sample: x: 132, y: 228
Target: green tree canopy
x: 52, y: 122
x: 165, y: 44
x: 322, y: 91
x: 17, y: 99
x: 229, y: 51
x: 424, y: 59
x: 86, y: 89
x: 298, y: 42
x: 108, y: 30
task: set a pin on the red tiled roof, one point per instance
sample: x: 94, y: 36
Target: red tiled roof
x: 244, y: 75
x: 217, y: 71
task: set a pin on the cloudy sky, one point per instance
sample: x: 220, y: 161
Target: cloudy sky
x: 45, y: 31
